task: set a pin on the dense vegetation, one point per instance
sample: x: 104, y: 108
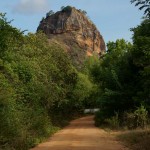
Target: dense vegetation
x: 123, y: 77
x: 39, y: 87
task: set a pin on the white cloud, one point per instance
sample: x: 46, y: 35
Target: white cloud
x: 31, y: 6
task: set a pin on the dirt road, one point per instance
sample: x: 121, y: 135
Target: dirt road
x: 81, y: 134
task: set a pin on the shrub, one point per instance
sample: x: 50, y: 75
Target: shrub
x: 137, y: 139
x: 113, y: 122
x: 138, y: 118
x: 100, y: 117
x: 141, y: 115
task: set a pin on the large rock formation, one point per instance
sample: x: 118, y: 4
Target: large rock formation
x: 73, y: 28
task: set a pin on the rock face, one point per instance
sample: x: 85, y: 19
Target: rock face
x: 72, y: 26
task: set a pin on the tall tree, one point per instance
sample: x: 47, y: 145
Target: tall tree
x: 115, y: 78
x: 141, y: 60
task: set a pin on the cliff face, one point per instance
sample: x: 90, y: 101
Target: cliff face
x: 73, y: 28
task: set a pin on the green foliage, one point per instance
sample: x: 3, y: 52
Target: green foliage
x: 100, y: 117
x: 82, y: 90
x: 67, y: 9
x: 9, y: 117
x: 123, y: 78
x: 49, y: 13
x: 114, y: 121
x: 138, y: 118
x: 10, y: 38
x: 113, y: 78
x: 141, y: 60
x: 144, y: 4
x: 40, y: 89
x: 142, y: 116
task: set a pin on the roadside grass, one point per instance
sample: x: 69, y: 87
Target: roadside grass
x: 136, y: 139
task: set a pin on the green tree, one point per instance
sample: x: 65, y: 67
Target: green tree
x: 144, y: 4
x: 141, y: 60
x: 123, y: 74
x: 114, y: 75
x: 37, y: 75
x: 10, y: 37
x: 82, y: 91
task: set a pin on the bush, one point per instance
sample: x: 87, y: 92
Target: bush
x: 113, y: 122
x: 138, y: 118
x: 101, y: 117
x: 141, y: 116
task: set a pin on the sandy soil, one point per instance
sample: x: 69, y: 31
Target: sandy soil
x: 81, y: 134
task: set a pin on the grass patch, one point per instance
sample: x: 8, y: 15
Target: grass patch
x: 137, y: 139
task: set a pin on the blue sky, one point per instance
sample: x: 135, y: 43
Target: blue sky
x: 113, y: 18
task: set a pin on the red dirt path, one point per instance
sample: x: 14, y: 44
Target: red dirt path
x: 81, y: 134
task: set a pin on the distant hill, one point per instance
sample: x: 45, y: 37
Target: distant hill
x: 74, y: 31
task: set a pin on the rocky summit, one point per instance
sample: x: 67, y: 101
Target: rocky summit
x: 73, y: 29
